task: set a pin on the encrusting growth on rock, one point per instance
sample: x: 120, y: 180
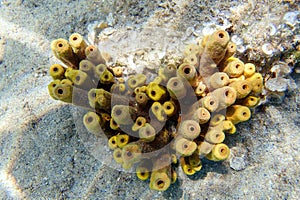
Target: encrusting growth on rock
x: 183, y: 114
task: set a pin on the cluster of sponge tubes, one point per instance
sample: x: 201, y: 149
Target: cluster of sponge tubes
x: 183, y: 114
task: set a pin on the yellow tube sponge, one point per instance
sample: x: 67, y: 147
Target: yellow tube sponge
x: 156, y: 123
x: 113, y: 125
x: 51, y: 87
x: 214, y: 136
x: 66, y: 82
x: 139, y: 123
x: 192, y: 59
x: 188, y: 72
x: 186, y: 168
x: 155, y: 91
x: 191, y: 49
x: 78, y: 45
x: 105, y: 117
x: 198, y: 168
x: 194, y: 159
x: 216, y: 45
x: 117, y: 154
x: 219, y: 152
x: 106, y: 77
x: 122, y: 140
x: 232, y: 130
x: 201, y: 115
x: 238, y: 113
x: 200, y: 90
x: 112, y: 142
x: 87, y: 67
x: 141, y: 98
x: 118, y: 88
x: 57, y: 71
x: 230, y: 51
x: 249, y: 69
x: 227, y: 126
x: 185, y: 147
x: 158, y: 111
x: 131, y: 153
x: 141, y: 89
x: 226, y: 96
x: 209, y: 102
x: 80, y: 78
x: 217, y: 119
x: 118, y: 71
x: 235, y: 68
x: 256, y: 81
x: 93, y: 123
x: 63, y: 51
x: 136, y: 81
x: 173, y: 158
x: 242, y: 88
x: 63, y: 91
x: 218, y: 79
x: 189, y: 129
x: 159, y: 181
x: 161, y: 175
x: 143, y: 171
x: 205, y: 148
x: 122, y: 114
x: 99, y: 69
x: 94, y: 55
x: 176, y: 88
x: 169, y: 108
x: 251, y: 101
x: 173, y: 176
x: 100, y: 98
x: 168, y: 71
x: 147, y: 133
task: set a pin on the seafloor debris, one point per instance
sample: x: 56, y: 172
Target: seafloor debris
x: 279, y: 81
x: 179, y: 117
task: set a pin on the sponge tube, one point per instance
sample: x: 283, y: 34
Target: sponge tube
x: 93, y: 122
x: 78, y: 45
x: 57, y: 71
x: 185, y: 147
x: 238, y: 113
x: 94, y: 55
x: 147, y: 133
x: 63, y: 51
x: 189, y: 129
x: 122, y: 114
x: 176, y: 88
x: 219, y: 152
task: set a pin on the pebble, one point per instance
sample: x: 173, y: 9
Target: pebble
x: 281, y: 69
x: 290, y: 18
x: 109, y: 31
x: 267, y: 49
x: 238, y: 163
x: 237, y: 159
x: 277, y: 84
x: 271, y: 28
x: 208, y: 29
x: 110, y: 19
x: 237, y: 40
